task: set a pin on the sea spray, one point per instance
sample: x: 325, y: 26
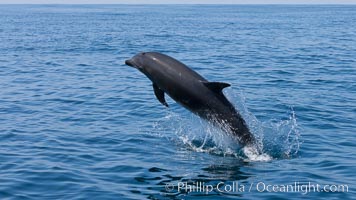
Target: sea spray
x: 275, y: 139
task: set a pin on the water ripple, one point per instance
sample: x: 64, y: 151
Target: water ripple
x: 77, y: 123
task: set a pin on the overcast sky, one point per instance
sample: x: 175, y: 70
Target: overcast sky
x: 178, y: 1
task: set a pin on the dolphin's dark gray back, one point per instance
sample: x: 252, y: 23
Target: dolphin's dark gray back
x: 175, y: 65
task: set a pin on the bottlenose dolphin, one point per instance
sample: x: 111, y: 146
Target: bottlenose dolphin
x: 193, y: 92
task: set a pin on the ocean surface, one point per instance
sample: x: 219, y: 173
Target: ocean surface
x: 77, y: 123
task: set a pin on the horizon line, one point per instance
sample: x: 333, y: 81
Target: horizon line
x: 78, y: 3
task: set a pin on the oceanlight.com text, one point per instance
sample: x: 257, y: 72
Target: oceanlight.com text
x: 239, y: 187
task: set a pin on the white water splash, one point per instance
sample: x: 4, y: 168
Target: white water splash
x: 253, y: 155
x: 275, y: 140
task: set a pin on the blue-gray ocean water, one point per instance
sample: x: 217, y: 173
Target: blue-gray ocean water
x: 76, y: 123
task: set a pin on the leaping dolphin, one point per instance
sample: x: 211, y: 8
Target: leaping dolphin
x: 193, y: 92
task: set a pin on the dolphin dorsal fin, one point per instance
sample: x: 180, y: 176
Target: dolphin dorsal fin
x: 216, y: 87
x: 159, y: 94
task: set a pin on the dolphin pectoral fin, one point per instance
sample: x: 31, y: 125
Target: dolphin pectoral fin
x: 159, y: 94
x: 216, y: 87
